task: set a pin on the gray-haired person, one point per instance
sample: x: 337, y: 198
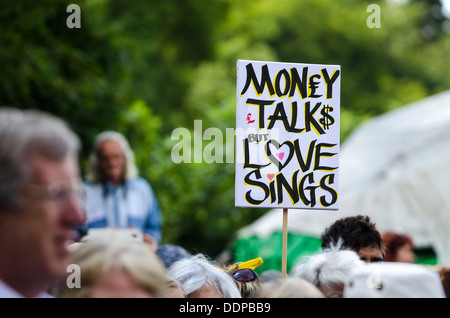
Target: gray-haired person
x: 328, y: 270
x: 115, y: 195
x: 201, y: 279
x: 39, y: 201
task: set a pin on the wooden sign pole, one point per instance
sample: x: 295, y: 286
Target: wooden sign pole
x: 284, y: 245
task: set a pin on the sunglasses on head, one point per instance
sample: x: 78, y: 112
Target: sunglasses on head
x: 244, y: 275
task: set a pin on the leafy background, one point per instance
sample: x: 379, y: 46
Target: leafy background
x: 145, y: 68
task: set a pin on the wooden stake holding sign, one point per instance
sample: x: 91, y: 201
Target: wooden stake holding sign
x: 284, y: 245
x: 287, y: 137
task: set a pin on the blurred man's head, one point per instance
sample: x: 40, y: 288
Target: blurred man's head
x: 112, y: 159
x: 40, y: 203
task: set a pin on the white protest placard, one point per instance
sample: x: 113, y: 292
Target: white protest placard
x: 287, y: 135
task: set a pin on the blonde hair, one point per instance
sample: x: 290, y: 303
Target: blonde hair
x: 172, y: 284
x: 98, y: 256
x: 290, y: 287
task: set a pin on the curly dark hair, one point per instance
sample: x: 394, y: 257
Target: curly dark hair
x: 356, y: 232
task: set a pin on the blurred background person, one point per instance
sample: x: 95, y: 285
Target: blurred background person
x: 40, y: 204
x: 444, y: 273
x: 169, y: 254
x: 289, y: 287
x: 115, y: 195
x: 269, y: 275
x: 244, y: 275
x: 359, y: 234
x: 115, y: 267
x: 201, y: 279
x: 175, y: 290
x: 328, y: 270
x: 399, y: 247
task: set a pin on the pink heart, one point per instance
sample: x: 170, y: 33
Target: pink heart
x: 280, y: 155
x: 270, y: 176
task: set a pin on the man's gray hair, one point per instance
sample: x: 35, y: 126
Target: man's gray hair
x: 94, y: 173
x: 27, y: 132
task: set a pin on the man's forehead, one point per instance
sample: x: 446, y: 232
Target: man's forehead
x: 109, y: 144
x: 44, y: 169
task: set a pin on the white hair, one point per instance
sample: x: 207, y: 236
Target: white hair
x: 328, y: 269
x: 289, y: 287
x: 194, y: 272
x: 94, y: 173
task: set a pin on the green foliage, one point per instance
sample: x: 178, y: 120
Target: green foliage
x: 71, y: 73
x: 145, y: 68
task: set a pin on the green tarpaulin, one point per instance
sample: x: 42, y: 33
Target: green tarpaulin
x: 269, y: 249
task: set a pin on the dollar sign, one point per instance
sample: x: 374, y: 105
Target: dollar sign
x: 327, y: 119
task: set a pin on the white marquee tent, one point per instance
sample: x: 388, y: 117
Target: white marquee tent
x: 395, y: 168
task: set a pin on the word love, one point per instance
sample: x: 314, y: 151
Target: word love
x: 315, y: 153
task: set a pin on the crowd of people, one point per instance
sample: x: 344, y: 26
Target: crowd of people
x: 109, y: 227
